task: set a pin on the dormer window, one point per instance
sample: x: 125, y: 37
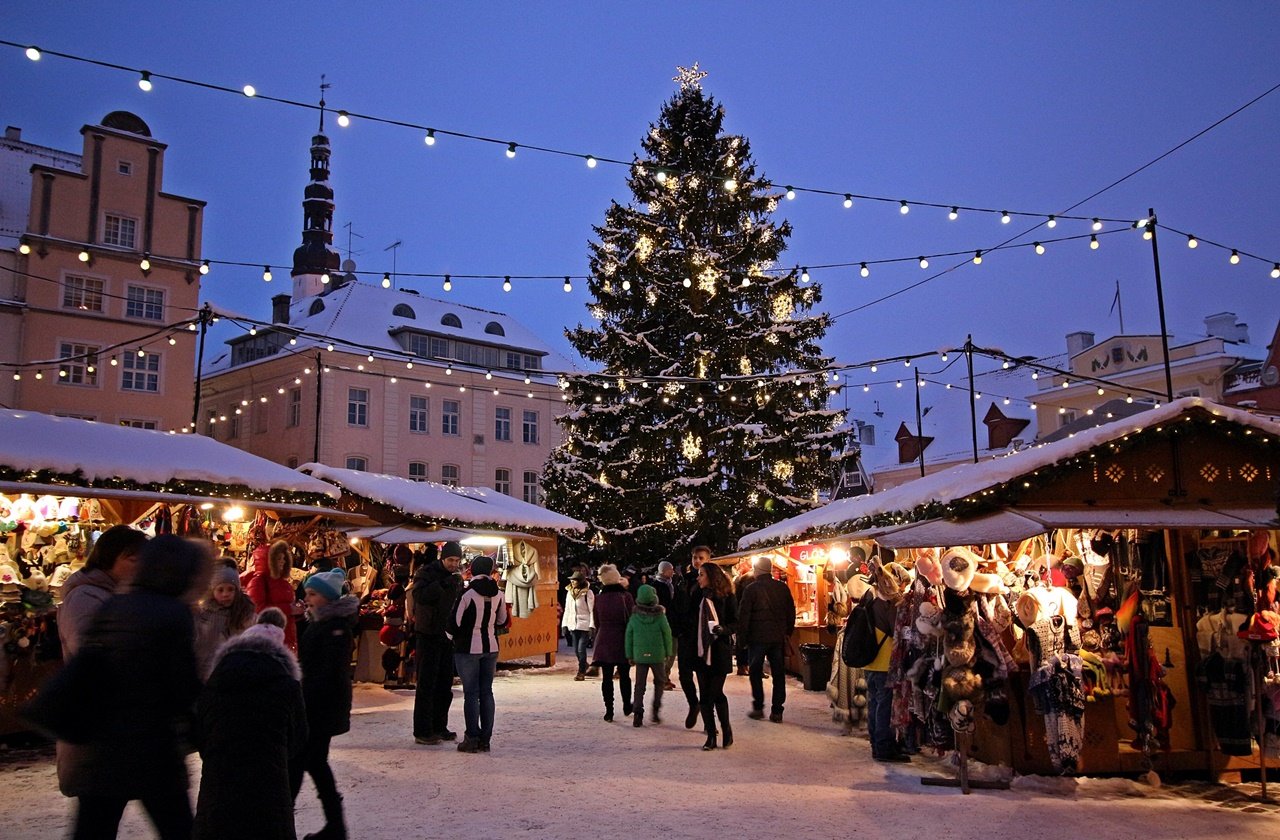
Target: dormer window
x: 494, y: 328
x: 317, y: 306
x: 404, y: 310
x: 451, y: 320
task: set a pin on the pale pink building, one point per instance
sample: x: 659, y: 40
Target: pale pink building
x: 104, y: 276
x: 357, y: 376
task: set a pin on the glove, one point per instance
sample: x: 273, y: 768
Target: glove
x: 721, y: 630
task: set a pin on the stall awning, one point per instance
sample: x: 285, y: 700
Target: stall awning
x: 402, y: 534
x: 998, y: 527
x: 1155, y: 517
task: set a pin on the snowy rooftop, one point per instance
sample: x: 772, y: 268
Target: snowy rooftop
x: 967, y: 479
x: 45, y: 447
x: 367, y: 315
x: 480, y: 507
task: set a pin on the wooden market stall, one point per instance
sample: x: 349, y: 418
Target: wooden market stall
x: 1191, y: 482
x: 520, y: 535
x: 62, y: 480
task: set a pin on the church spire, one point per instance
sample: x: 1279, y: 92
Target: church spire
x: 316, y: 256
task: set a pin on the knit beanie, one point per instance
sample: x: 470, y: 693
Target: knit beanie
x: 224, y: 575
x: 647, y: 595
x: 482, y: 565
x: 328, y: 584
x: 451, y: 549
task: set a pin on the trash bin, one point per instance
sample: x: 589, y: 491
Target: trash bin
x: 815, y: 666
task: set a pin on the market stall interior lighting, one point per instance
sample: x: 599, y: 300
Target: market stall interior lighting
x: 483, y: 541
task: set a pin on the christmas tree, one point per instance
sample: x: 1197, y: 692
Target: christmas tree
x: 708, y: 418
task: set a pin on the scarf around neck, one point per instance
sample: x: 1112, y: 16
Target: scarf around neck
x: 707, y: 616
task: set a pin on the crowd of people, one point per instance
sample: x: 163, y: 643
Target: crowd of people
x: 253, y: 674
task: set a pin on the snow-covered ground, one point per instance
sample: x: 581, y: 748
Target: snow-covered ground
x: 558, y: 770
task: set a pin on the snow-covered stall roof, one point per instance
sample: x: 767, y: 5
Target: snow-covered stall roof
x: 961, y: 482
x: 65, y: 454
x: 465, y: 507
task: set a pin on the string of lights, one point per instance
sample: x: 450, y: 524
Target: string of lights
x: 430, y: 134
x: 139, y: 343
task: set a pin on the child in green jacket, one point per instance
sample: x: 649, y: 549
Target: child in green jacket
x: 648, y: 647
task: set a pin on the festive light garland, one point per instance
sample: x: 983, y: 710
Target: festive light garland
x: 77, y: 482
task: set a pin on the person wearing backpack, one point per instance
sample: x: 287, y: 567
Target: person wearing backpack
x: 886, y: 592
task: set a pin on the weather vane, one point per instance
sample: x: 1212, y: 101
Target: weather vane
x: 689, y: 77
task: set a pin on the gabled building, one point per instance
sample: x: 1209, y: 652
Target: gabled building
x: 102, y: 277
x: 362, y: 377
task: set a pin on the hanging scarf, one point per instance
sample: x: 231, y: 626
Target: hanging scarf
x: 706, y: 616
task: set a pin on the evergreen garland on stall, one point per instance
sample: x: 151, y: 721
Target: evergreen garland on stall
x: 682, y: 293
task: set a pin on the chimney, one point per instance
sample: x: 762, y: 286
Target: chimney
x: 280, y: 309
x: 12, y: 132
x: 1225, y: 326
x: 1078, y: 341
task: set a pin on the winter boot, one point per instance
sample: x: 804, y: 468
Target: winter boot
x: 654, y: 717
x: 608, y: 712
x: 582, y: 675
x: 711, y: 737
x: 593, y: 671
x: 626, y: 708
x: 691, y: 719
x: 726, y: 731
x: 756, y: 714
x: 335, y: 827
x: 638, y: 718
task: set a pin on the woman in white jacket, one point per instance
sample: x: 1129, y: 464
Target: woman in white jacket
x: 579, y: 604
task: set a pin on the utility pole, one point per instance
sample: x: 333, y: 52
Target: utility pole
x: 315, y: 449
x: 203, y: 317
x: 919, y: 424
x: 973, y: 408
x: 1164, y: 330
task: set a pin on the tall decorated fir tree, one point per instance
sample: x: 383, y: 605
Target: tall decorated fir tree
x: 708, y: 418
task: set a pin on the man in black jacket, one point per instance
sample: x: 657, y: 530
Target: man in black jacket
x: 436, y: 586
x: 766, y: 617
x: 684, y: 619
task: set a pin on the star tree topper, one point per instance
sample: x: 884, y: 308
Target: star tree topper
x: 689, y: 77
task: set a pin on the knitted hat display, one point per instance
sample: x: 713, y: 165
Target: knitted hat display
x: 451, y: 549
x: 327, y: 584
x: 988, y: 584
x: 959, y: 565
x: 482, y: 565
x: 647, y: 595
x: 891, y: 581
x: 608, y: 575
x: 225, y: 576
x: 928, y: 567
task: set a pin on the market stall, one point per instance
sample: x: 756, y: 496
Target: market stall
x: 520, y: 537
x: 1142, y: 542
x: 63, y: 481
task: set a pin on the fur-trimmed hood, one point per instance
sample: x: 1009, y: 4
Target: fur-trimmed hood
x: 650, y: 609
x: 263, y: 644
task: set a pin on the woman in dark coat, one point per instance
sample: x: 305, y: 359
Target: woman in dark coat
x: 146, y: 641
x: 250, y: 723
x: 713, y: 632
x: 612, y: 610
x: 324, y: 652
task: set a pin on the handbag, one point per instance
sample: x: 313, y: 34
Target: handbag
x: 61, y: 707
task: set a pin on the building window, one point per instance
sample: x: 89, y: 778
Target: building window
x: 449, y: 475
x: 451, y: 320
x: 1066, y: 417
x: 141, y: 372
x: 449, y: 419
x: 317, y: 306
x: 531, y: 494
x: 439, y: 348
x: 404, y: 310
x: 124, y: 167
x: 502, y: 424
x: 530, y: 427
x: 502, y: 481
x: 418, y: 416
x: 84, y: 293
x: 295, y: 408
x: 259, y: 413
x: 233, y: 426
x: 355, y: 462
x: 138, y: 424
x: 119, y: 231
x: 81, y: 365
x: 494, y: 328
x: 357, y: 408
x: 145, y: 303
x: 211, y: 422
x: 292, y: 463
x: 418, y: 470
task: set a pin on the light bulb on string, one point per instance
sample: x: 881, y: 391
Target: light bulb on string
x: 866, y: 388
x: 114, y: 361
x: 1005, y: 218
x: 953, y: 213
x: 24, y: 247
x: 977, y: 258
x: 329, y: 347
x: 511, y: 150
x: 924, y: 263
x: 204, y: 267
x: 325, y: 278
x: 344, y: 119
x: 172, y: 341
x: 898, y: 383
x: 568, y: 286
x: 488, y: 374
x: 142, y: 354
x: 864, y: 271
x: 506, y: 284
x: 848, y: 201
x: 393, y: 380
x: 686, y: 282
x: 386, y: 280
x: 1052, y: 223
x: 804, y: 275
x: 1275, y: 271
x: 448, y: 284
x: 448, y: 370
x: 145, y: 262
x: 791, y: 194
x: 730, y: 185
x: 1192, y: 242
x: 904, y: 208
x: 906, y: 363
x: 527, y: 379
x: 83, y: 256
x: 250, y: 91
x: 591, y: 162
x: 266, y: 273
x: 1097, y: 224
x: 1093, y: 242
x: 661, y: 176
x: 370, y: 357
x: 144, y: 83
x: 430, y: 138
x: 253, y: 330
x: 293, y: 341
x: 33, y: 53
x: 875, y: 368
x: 626, y: 285
x: 1234, y: 259
x: 1039, y: 247
x: 90, y: 368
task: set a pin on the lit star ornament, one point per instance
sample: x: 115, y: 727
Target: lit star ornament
x: 689, y: 77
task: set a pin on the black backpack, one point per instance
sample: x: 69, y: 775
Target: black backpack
x: 860, y: 647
